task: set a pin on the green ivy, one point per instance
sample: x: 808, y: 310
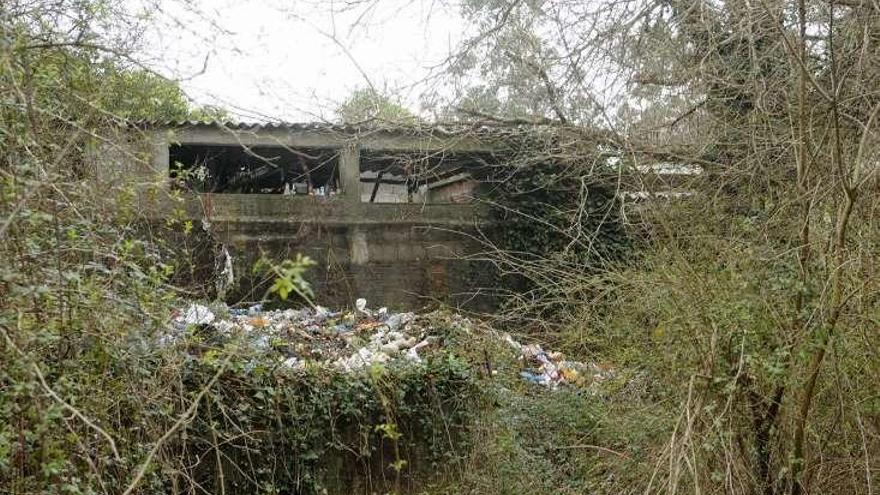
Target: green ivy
x: 319, y: 429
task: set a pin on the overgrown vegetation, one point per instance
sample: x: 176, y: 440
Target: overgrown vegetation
x: 368, y: 104
x: 750, y: 306
x: 548, y: 221
x: 89, y: 403
x: 268, y: 429
x: 741, y: 321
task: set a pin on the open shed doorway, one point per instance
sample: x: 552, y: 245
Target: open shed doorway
x: 421, y: 177
x: 229, y: 169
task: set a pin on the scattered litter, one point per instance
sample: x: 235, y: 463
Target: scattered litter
x: 347, y: 341
x: 550, y: 370
x: 226, y: 277
x: 361, y: 305
x: 412, y: 353
x: 196, y: 314
x: 352, y: 341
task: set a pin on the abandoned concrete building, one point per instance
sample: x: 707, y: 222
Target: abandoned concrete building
x: 389, y: 215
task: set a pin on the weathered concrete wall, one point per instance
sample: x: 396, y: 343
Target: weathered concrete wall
x: 395, y: 264
x: 396, y: 255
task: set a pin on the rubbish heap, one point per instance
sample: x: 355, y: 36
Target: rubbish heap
x: 347, y: 341
x: 354, y: 340
x: 551, y: 370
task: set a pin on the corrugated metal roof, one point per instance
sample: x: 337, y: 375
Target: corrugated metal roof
x: 441, y: 130
x: 229, y: 124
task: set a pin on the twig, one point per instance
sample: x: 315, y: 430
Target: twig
x: 184, y: 418
x: 51, y: 393
x: 594, y: 447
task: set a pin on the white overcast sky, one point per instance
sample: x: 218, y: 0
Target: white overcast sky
x: 278, y: 59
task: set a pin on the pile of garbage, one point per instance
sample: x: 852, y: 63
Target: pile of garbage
x: 354, y: 340
x: 550, y: 369
x: 347, y: 341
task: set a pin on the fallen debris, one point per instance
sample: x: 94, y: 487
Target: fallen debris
x: 196, y: 314
x: 550, y: 370
x: 296, y: 338
x: 355, y: 340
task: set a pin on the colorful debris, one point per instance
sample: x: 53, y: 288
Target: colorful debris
x: 347, y: 341
x: 550, y: 370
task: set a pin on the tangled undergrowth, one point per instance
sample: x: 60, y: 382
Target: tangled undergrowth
x: 743, y: 326
x: 219, y: 415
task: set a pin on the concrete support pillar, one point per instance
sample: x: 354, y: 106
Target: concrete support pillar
x: 350, y: 174
x: 160, y: 161
x: 350, y: 177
